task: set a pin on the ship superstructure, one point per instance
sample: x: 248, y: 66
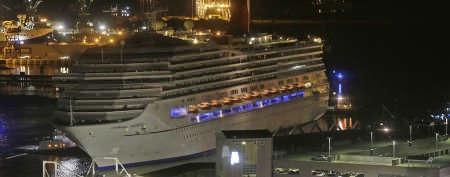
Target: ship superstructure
x: 157, y: 103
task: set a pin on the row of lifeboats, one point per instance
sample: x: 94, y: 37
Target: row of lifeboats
x: 246, y: 96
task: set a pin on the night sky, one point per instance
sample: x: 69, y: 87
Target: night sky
x: 394, y: 52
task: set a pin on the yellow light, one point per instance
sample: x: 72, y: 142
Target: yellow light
x: 111, y: 40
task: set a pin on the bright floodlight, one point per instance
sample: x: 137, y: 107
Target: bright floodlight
x: 102, y: 27
x: 386, y: 129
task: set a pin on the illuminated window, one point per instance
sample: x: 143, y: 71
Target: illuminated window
x: 234, y: 158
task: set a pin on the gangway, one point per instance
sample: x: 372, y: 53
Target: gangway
x: 120, y: 170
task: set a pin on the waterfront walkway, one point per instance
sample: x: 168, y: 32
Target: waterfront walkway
x: 421, y: 157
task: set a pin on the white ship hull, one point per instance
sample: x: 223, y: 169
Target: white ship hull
x: 132, y: 146
x: 24, y: 35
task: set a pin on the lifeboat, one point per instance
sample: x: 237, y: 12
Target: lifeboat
x: 236, y: 99
x: 227, y: 100
x: 192, y: 109
x: 255, y: 94
x: 204, y: 105
x: 215, y: 103
x: 266, y: 92
x: 247, y: 96
x: 274, y: 90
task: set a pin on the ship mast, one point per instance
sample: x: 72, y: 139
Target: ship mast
x: 32, y: 7
x: 83, y: 14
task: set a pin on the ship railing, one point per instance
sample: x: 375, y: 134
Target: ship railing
x: 55, y: 171
x: 120, y: 169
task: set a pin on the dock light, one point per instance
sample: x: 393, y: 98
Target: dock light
x: 385, y: 129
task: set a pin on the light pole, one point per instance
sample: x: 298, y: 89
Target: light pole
x: 371, y: 140
x: 437, y: 139
x: 410, y: 133
x: 329, y: 147
x: 371, y: 143
x: 446, y: 126
x: 122, y: 44
x: 393, y: 148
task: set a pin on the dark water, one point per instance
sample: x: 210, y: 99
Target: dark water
x: 397, y: 64
x: 23, y: 121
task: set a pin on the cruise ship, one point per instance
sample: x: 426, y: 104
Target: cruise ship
x: 152, y: 99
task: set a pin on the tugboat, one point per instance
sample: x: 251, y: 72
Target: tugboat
x: 58, y: 142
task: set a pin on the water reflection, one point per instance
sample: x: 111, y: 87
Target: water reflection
x: 46, y: 70
x: 30, y: 79
x: 68, y: 166
x: 3, y: 136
